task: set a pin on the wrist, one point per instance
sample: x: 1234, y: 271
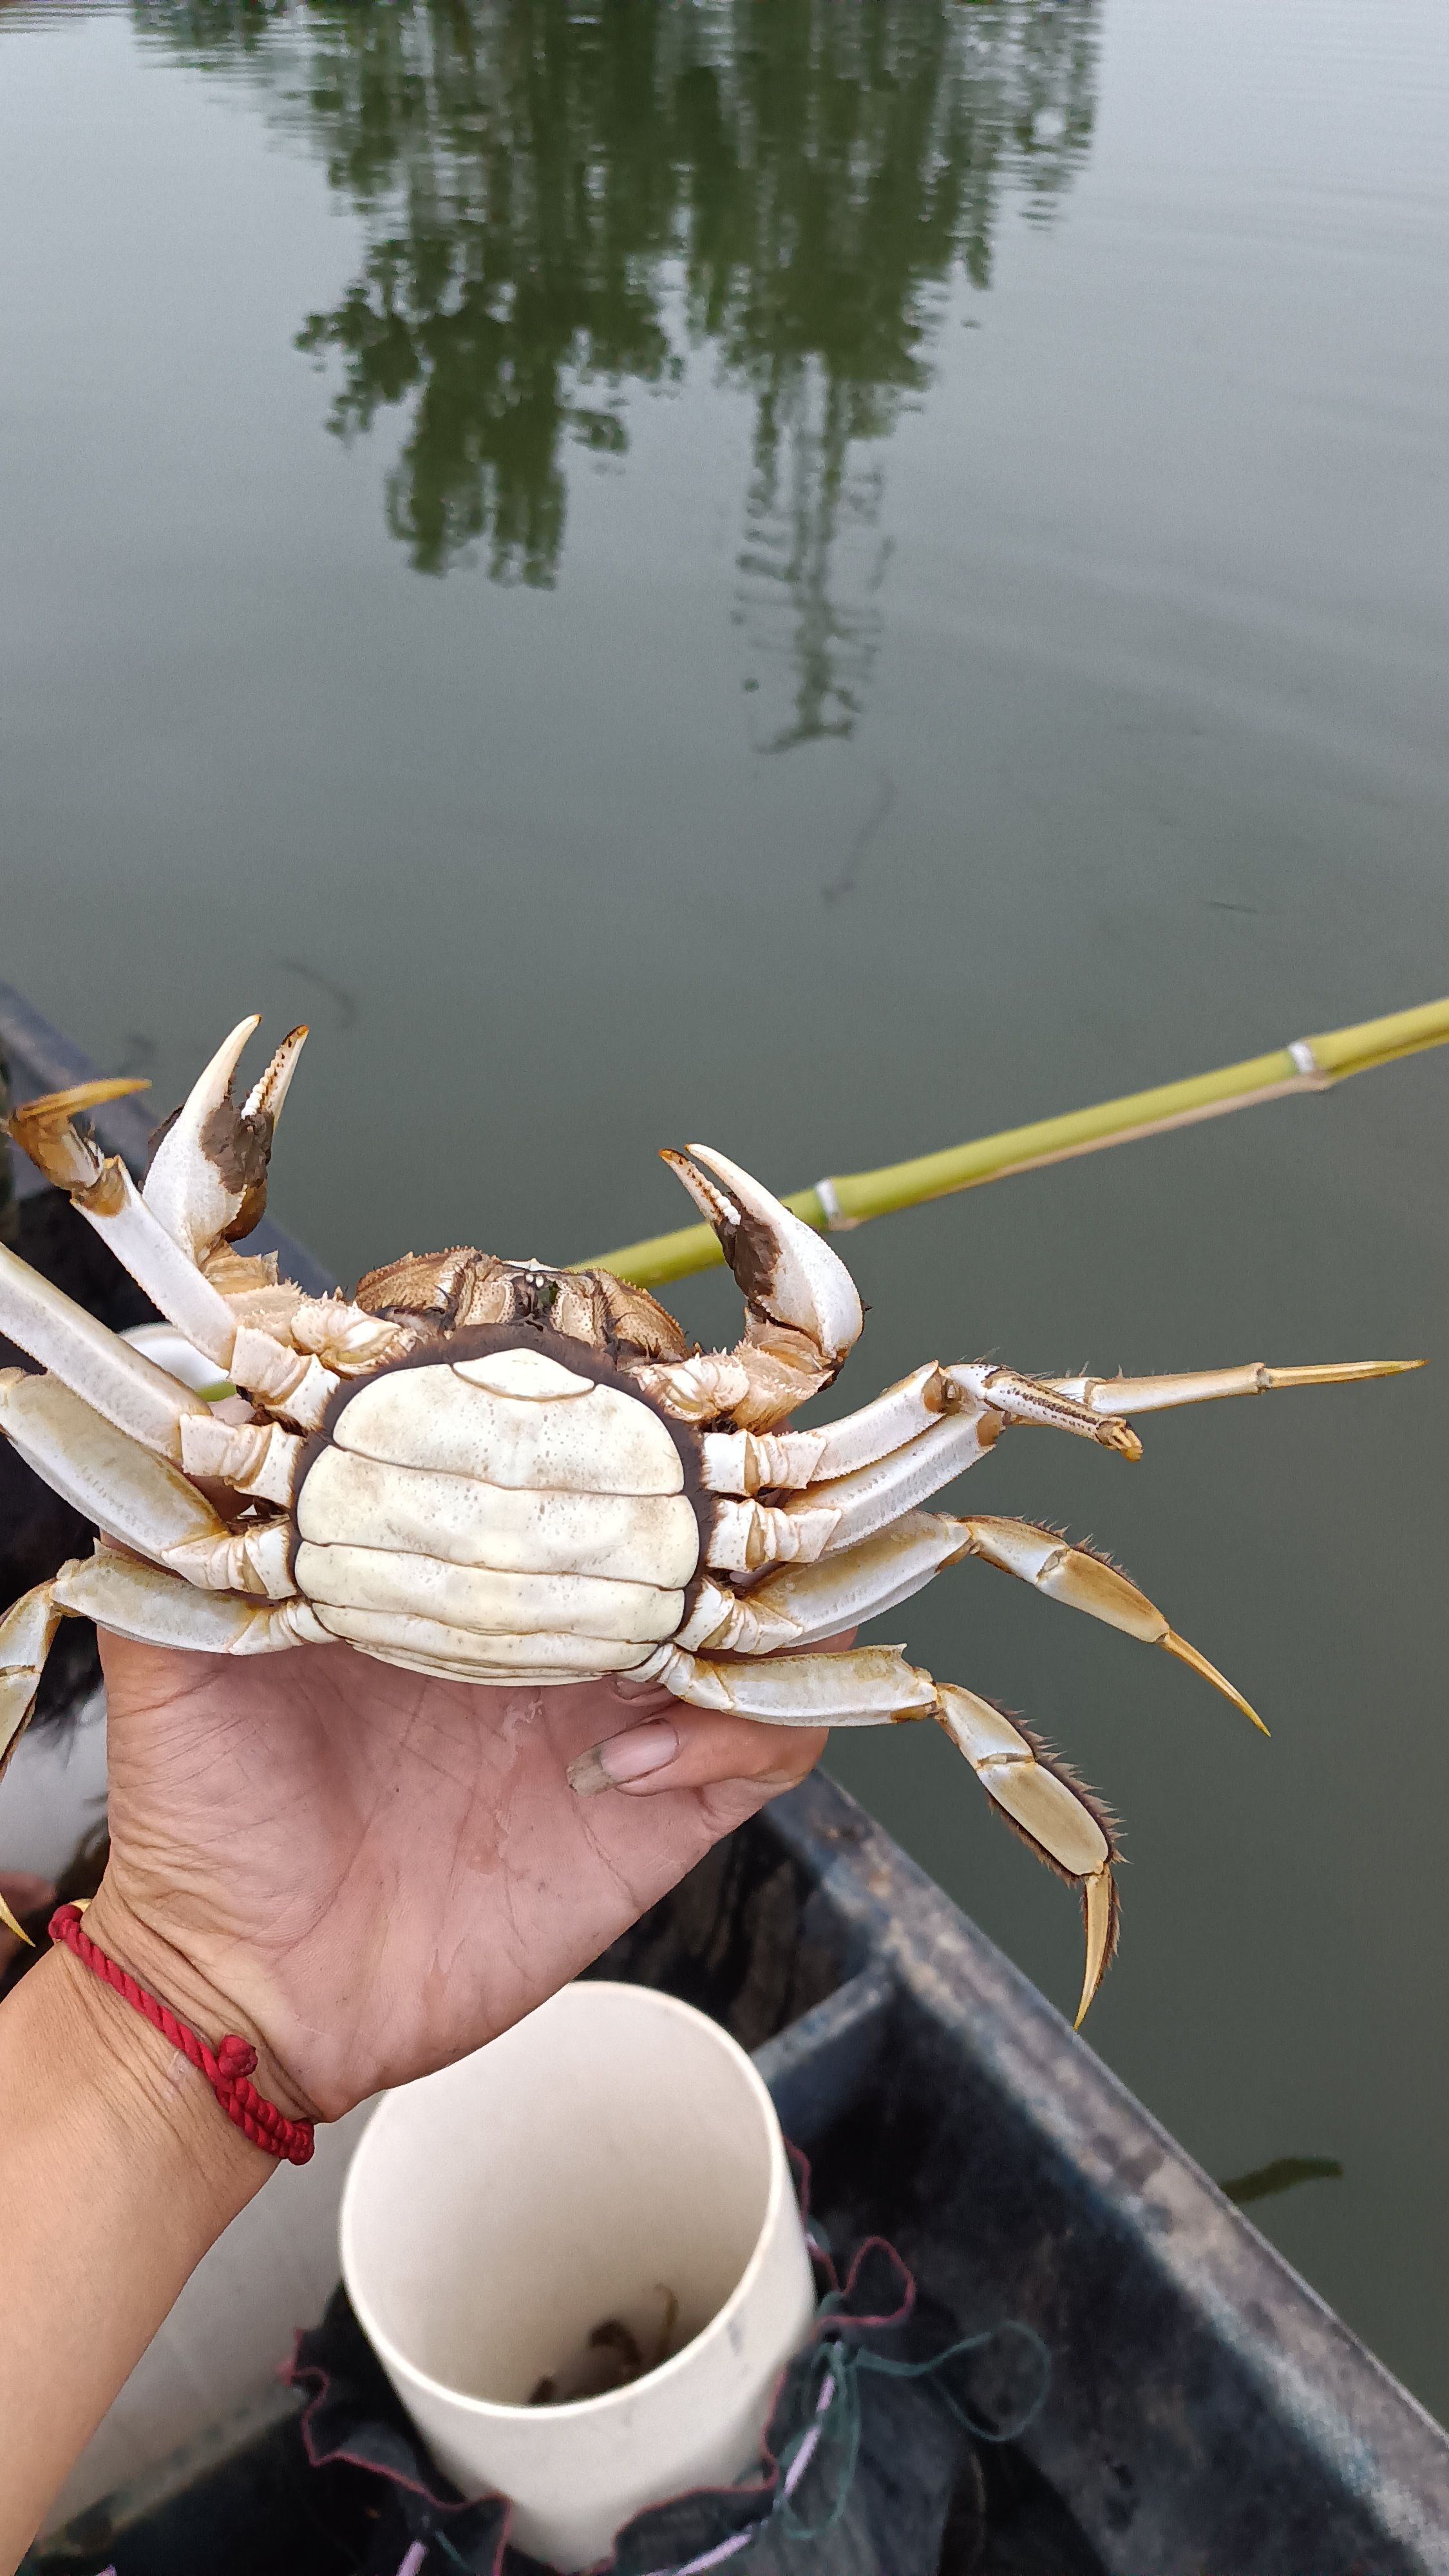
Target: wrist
x: 118, y: 2179
x: 105, y: 2080
x: 179, y: 1978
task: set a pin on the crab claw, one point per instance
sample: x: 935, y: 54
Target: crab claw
x: 265, y: 1098
x: 788, y: 1276
x: 207, y: 1180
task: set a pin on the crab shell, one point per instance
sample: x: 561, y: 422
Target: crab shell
x: 516, y: 1511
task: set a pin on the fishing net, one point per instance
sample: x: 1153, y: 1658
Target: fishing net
x: 870, y: 2461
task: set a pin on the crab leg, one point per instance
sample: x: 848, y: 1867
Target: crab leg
x: 1060, y: 1819
x: 144, y: 1602
x: 1121, y: 1395
x: 46, y: 1323
x: 26, y: 1632
x: 256, y: 1458
x: 102, y: 1189
x: 108, y: 1373
x: 745, y: 1462
x: 133, y: 1600
x: 869, y: 1686
x: 99, y: 1470
x: 1054, y: 1813
x: 1018, y: 1398
x: 207, y: 1181
x: 1043, y: 1558
x: 162, y: 1609
x: 749, y: 1462
x: 826, y: 1517
x: 141, y: 1499
x: 799, y: 1604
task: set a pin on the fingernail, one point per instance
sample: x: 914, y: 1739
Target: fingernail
x: 625, y: 1757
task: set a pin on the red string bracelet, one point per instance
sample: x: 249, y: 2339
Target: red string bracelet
x: 227, y: 2069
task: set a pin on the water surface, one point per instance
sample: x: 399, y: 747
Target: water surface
x: 828, y: 577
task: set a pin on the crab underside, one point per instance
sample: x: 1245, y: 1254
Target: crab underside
x: 500, y: 1472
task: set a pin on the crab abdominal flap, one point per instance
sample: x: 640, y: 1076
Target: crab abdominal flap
x: 497, y: 1518
x: 645, y: 1538
x: 429, y: 1645
x: 484, y: 1602
x: 444, y: 1419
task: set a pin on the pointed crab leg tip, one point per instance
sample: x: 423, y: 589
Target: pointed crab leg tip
x: 94, y: 1095
x: 59, y: 1105
x: 1090, y: 1982
x: 9, y: 1924
x: 1338, y: 1372
x: 1099, y: 1904
x: 1186, y: 1654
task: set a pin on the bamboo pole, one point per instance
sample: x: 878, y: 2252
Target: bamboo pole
x: 1309, y: 1064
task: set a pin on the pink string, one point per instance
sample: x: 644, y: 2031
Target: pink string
x: 807, y: 2450
x: 741, y: 2539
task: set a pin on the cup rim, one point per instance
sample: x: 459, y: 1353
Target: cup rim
x: 780, y: 2183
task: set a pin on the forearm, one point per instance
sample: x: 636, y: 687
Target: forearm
x: 117, y: 2171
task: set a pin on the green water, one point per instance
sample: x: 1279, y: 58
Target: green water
x: 828, y: 577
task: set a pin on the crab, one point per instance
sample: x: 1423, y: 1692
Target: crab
x: 509, y: 1473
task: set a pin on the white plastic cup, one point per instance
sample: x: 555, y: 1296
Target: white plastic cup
x: 613, y: 2148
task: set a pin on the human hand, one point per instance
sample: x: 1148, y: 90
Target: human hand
x: 365, y: 1873
x: 368, y: 1873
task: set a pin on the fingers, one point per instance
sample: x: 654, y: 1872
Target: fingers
x: 670, y: 1746
x: 695, y: 1749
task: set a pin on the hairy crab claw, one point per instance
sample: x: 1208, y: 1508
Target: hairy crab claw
x: 207, y: 1176
x: 790, y: 1279
x: 504, y: 1472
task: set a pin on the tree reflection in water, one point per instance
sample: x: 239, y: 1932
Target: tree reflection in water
x: 566, y: 201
